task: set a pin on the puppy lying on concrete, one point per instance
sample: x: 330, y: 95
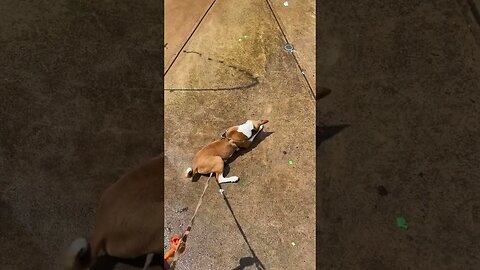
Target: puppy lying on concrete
x: 211, y: 158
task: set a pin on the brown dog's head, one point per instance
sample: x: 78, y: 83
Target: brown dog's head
x: 244, y: 134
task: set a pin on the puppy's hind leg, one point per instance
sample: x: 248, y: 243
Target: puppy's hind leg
x: 218, y: 169
x: 231, y: 179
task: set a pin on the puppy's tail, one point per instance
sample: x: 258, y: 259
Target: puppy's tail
x: 79, y: 255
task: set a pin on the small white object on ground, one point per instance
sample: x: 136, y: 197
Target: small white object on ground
x: 285, y: 3
x: 293, y: 243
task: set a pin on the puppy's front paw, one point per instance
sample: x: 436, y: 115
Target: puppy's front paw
x: 234, y: 179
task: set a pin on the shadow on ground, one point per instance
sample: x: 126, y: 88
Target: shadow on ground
x: 254, y: 259
x: 326, y: 132
x: 244, y: 263
x: 260, y: 138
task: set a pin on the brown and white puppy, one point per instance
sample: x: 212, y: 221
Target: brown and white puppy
x: 211, y: 158
x: 129, y: 219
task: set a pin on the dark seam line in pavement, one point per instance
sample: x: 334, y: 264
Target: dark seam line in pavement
x: 286, y: 40
x: 254, y: 79
x: 256, y: 259
x: 189, y: 37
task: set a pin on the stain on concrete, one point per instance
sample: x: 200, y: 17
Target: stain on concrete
x: 245, y: 81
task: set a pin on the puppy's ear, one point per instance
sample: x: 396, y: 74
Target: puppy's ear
x: 262, y: 122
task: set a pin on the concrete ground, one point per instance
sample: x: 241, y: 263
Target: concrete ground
x: 184, y: 22
x: 296, y: 19
x: 78, y: 99
x: 405, y: 77
x: 233, y: 69
x: 79, y: 106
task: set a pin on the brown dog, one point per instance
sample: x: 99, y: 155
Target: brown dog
x: 129, y: 219
x: 211, y: 158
